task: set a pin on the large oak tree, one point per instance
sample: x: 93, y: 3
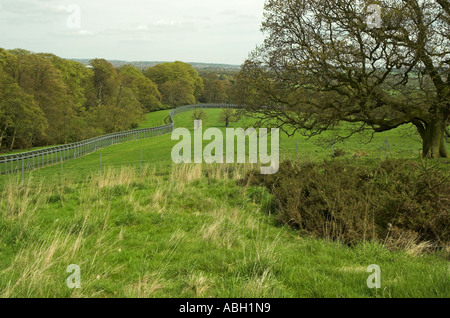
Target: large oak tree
x: 322, y: 63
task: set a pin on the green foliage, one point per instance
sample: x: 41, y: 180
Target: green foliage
x: 199, y: 114
x: 218, y: 88
x: 338, y: 153
x: 177, y: 93
x: 145, y: 90
x: 105, y: 80
x: 49, y: 100
x: 21, y: 120
x: 178, y: 82
x: 340, y: 201
x: 228, y: 115
x: 122, y: 113
x: 148, y: 94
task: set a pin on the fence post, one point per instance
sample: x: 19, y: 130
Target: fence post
x: 61, y: 170
x: 386, y: 147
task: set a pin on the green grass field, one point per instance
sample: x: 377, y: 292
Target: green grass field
x: 156, y: 151
x: 153, y: 229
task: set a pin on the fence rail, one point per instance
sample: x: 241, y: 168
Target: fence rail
x: 26, y: 161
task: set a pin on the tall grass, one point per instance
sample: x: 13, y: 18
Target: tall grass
x: 188, y: 233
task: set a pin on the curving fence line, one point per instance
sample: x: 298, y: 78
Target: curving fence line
x: 26, y: 161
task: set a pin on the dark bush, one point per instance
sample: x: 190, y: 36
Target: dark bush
x: 338, y: 153
x: 341, y: 201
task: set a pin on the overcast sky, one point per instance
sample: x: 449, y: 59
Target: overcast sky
x: 211, y: 31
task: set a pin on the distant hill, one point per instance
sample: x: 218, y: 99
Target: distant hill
x: 146, y: 64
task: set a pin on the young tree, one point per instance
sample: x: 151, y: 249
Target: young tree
x: 198, y: 114
x: 322, y: 63
x: 215, y: 90
x: 228, y: 115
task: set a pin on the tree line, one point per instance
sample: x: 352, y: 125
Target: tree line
x: 47, y: 100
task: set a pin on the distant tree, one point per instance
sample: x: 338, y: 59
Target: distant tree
x: 76, y: 77
x: 105, y: 79
x: 178, y: 82
x: 45, y: 99
x: 215, y: 91
x: 124, y: 114
x: 177, y: 93
x: 218, y: 86
x: 21, y: 120
x: 199, y: 114
x: 228, y: 115
x: 130, y: 70
x: 148, y: 94
x: 37, y: 76
x: 322, y: 63
x: 145, y: 90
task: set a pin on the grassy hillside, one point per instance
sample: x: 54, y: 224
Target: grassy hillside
x: 183, y: 234
x: 159, y: 230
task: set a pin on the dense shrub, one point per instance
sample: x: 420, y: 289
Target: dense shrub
x: 342, y: 201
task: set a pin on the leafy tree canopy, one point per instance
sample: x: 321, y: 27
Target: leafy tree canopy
x: 322, y: 63
x: 178, y: 82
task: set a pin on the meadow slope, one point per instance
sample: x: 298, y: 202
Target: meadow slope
x: 153, y: 229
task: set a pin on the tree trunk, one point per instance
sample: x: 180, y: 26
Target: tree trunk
x: 3, y: 135
x: 1, y: 140
x: 434, y: 140
x: 227, y: 121
x: 13, y: 140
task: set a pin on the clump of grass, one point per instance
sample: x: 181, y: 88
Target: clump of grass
x: 198, y: 284
x: 19, y: 200
x: 359, y: 154
x: 225, y: 227
x: 146, y: 286
x: 339, y: 153
x: 185, y: 173
x: 38, y: 268
x: 407, y: 240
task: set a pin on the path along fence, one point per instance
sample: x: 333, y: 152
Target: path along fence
x: 26, y: 161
